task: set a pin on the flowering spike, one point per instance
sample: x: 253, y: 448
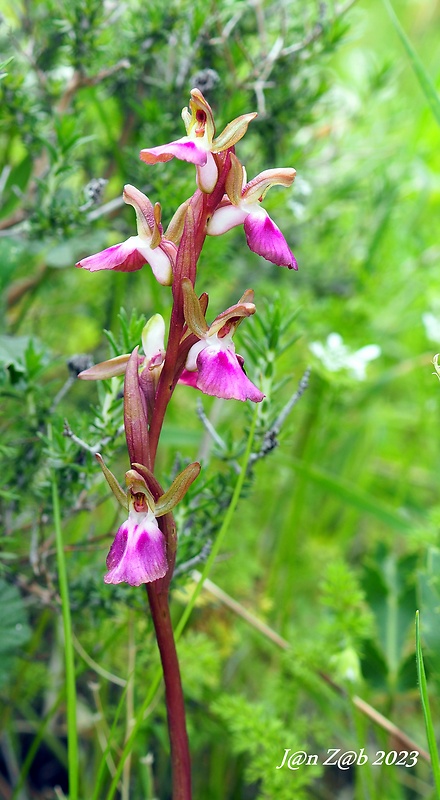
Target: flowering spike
x: 199, y: 144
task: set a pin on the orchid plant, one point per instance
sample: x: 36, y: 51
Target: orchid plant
x: 196, y: 353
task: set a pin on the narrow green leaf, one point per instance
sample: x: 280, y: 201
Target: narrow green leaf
x: 354, y: 496
x: 422, y: 76
x: 430, y: 734
x: 72, y: 732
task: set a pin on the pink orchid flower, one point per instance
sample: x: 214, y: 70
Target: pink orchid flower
x: 139, y: 550
x: 138, y: 553
x: 199, y: 143
x: 242, y: 205
x: 212, y: 365
x: 148, y: 247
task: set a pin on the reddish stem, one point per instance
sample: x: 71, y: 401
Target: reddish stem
x: 180, y: 758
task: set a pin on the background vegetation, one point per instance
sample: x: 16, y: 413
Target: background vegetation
x: 336, y: 541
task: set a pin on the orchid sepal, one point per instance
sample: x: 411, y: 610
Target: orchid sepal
x: 111, y: 368
x: 178, y: 489
x: 192, y: 310
x: 113, y: 483
x: 233, y: 132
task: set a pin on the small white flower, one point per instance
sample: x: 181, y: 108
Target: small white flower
x: 336, y: 356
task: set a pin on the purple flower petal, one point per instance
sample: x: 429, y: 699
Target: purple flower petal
x: 124, y: 257
x: 189, y: 378
x: 266, y: 239
x: 138, y: 553
x: 184, y: 149
x: 219, y: 374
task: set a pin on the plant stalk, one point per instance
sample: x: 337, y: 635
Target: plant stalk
x: 180, y: 757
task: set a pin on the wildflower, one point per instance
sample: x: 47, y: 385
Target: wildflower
x: 139, y: 551
x: 212, y: 365
x: 148, y: 247
x: 199, y: 143
x: 336, y: 356
x: 243, y: 205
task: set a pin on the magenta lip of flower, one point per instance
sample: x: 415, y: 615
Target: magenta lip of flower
x: 219, y: 373
x: 148, y: 247
x: 265, y: 238
x: 138, y: 553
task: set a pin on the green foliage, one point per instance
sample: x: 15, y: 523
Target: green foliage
x: 14, y: 630
x: 262, y: 740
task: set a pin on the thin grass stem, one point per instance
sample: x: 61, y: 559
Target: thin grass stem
x: 72, y: 733
x: 422, y: 76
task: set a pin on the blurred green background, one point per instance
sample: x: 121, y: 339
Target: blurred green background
x: 336, y: 541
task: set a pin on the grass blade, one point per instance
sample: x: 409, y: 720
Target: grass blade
x: 350, y: 494
x: 422, y: 76
x: 430, y: 735
x: 72, y: 733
